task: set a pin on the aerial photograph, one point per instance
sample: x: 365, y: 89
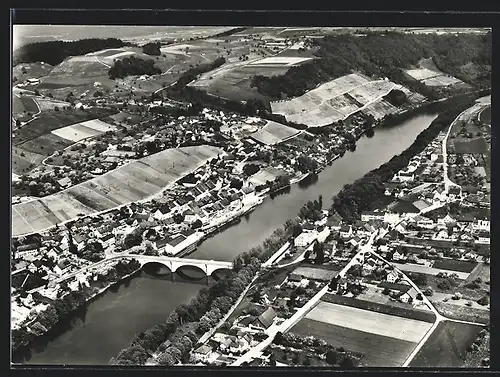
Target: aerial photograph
x: 211, y: 196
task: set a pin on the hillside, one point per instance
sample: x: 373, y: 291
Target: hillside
x: 54, y: 52
x: 467, y: 57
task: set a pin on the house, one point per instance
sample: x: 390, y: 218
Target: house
x: 162, y: 212
x: 481, y: 225
x: 391, y: 218
x: 108, y: 240
x: 203, y: 353
x: 392, y: 277
x: 266, y: 319
x: 483, y: 237
x: 425, y: 222
x: 369, y: 267
x: 355, y: 241
x: 455, y: 191
x: 446, y: 220
x: 345, y: 231
x: 405, y: 176
x: 304, y: 239
x: 79, y: 241
x: 397, y: 256
x: 367, y: 216
x: 64, y: 182
x: 295, y: 279
x: 405, y: 297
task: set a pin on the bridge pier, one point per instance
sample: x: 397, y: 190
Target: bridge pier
x: 172, y: 275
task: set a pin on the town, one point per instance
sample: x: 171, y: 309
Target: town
x: 145, y: 171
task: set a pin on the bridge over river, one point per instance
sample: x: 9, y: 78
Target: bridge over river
x: 173, y: 263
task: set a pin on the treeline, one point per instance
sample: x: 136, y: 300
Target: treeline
x: 358, y: 197
x: 192, y: 73
x: 178, y: 334
x: 60, y: 308
x: 132, y: 66
x: 54, y: 52
x: 175, y: 337
x: 230, y: 32
x: 152, y: 48
x: 381, y: 54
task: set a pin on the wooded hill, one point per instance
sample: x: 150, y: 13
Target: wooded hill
x: 384, y: 54
x: 54, y: 52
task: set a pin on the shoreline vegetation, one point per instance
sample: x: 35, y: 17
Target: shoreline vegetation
x: 183, y: 328
x: 66, y: 305
x: 174, y: 324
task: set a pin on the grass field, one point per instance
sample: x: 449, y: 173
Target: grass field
x: 368, y: 321
x: 135, y: 181
x: 264, y: 175
x: 380, y: 109
x: 46, y: 144
x: 432, y: 77
x: 485, y: 115
x: 389, y: 308
x: 455, y: 265
x: 50, y: 104
x: 428, y: 270
x: 466, y: 146
x: 378, y: 351
x: 274, y: 133
x: 462, y: 313
x: 446, y: 346
x: 316, y: 273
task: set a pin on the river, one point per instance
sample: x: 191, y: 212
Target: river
x: 106, y: 325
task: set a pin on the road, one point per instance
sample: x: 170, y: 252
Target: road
x: 300, y: 313
x: 467, y: 114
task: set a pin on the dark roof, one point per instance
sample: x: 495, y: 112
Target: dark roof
x: 403, y: 288
x: 108, y: 236
x: 266, y: 318
x: 177, y: 240
x: 247, y: 320
x: 164, y: 209
x: 345, y: 228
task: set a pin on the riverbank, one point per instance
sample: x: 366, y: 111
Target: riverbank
x: 95, y: 293
x: 255, y: 228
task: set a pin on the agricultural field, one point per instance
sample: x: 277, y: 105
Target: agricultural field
x: 470, y: 146
x: 52, y: 120
x: 273, y: 133
x: 380, y: 109
x: 407, y: 267
x: 46, y: 144
x: 334, y: 100
x: 132, y: 182
x: 377, y: 350
x: 279, y: 61
x: 24, y: 161
x: 446, y: 346
x: 455, y: 265
x: 316, y: 273
x: 430, y: 75
x: 84, y: 130
x: 50, y: 104
x: 406, y: 329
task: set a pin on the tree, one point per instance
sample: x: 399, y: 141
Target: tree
x: 296, y: 358
x: 428, y: 291
x: 166, y: 359
x: 485, y: 300
x: 236, y: 183
x: 419, y: 279
x: 347, y: 363
x: 332, y: 357
x: 419, y: 296
x: 320, y: 253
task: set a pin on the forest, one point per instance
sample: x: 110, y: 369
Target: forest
x: 384, y: 54
x: 54, y: 52
x: 358, y: 197
x: 132, y: 66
